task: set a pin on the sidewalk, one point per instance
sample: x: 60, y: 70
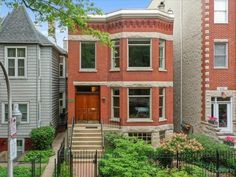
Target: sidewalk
x: 48, y: 172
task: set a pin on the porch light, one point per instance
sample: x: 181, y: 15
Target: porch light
x: 16, y: 113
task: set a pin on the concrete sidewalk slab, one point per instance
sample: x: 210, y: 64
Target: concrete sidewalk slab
x: 49, y: 170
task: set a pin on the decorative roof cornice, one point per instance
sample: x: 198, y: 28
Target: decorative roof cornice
x: 146, y: 13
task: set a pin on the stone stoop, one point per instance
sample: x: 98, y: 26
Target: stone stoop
x: 214, y: 132
x: 223, y: 135
x: 86, y: 140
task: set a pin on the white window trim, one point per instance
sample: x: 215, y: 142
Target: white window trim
x: 88, y: 69
x: 115, y: 119
x: 216, y: 110
x: 150, y: 103
x: 227, y: 50
x: 227, y: 14
x: 16, y: 63
x: 63, y: 101
x: 139, y: 68
x: 64, y: 67
x: 163, y: 118
x: 3, y: 112
x: 23, y: 144
x: 164, y: 56
x: 112, y: 63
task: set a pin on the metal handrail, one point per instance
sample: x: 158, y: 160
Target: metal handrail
x: 102, y: 133
x: 72, y: 130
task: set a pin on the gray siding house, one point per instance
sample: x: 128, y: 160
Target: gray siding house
x: 36, y: 67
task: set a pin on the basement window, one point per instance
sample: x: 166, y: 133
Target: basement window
x: 145, y: 136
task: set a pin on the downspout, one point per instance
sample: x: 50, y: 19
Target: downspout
x: 181, y: 63
x: 38, y: 88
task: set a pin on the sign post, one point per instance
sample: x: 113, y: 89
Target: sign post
x: 13, y: 144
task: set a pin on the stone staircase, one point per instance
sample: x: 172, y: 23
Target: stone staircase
x: 87, y: 138
x: 214, y: 132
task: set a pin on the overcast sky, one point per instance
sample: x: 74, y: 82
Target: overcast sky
x: 106, y: 5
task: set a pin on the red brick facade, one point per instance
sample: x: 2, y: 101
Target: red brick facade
x: 218, y: 82
x: 147, y: 27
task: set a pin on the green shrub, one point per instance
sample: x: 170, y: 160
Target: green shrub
x: 19, y: 171
x: 164, y: 157
x: 185, y: 172
x: 211, y: 146
x: 42, y: 137
x: 127, y: 157
x: 181, y: 143
x: 35, y: 154
x: 64, y: 170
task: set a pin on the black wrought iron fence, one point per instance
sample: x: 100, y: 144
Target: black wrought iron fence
x: 36, y: 167
x: 207, y: 164
x: 33, y: 168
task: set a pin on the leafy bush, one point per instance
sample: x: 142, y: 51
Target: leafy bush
x: 209, y: 144
x: 184, y: 172
x: 127, y: 157
x: 64, y: 170
x: 164, y: 157
x: 34, y: 154
x: 19, y: 171
x: 181, y: 143
x: 42, y: 137
x: 211, y: 147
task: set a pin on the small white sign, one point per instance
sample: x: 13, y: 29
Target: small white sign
x: 222, y: 89
x: 13, y: 127
x: 13, y: 147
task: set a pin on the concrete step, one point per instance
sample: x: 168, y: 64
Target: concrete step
x: 88, y: 151
x: 86, y: 147
x: 87, y: 138
x: 87, y: 130
x: 88, y: 125
x: 224, y: 134
x: 87, y: 134
x: 86, y: 143
x: 86, y: 155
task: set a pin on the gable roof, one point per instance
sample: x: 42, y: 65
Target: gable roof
x: 18, y: 28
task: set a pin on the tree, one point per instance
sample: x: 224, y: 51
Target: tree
x: 70, y: 13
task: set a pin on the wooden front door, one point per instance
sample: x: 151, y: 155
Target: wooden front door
x: 87, y: 107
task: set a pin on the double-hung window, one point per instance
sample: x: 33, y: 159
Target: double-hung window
x: 16, y: 61
x: 115, y: 104
x: 139, y: 103
x: 162, y: 54
x: 24, y: 109
x: 221, y: 11
x: 139, y: 54
x: 62, y: 102
x: 115, y: 57
x: 88, y: 56
x: 62, y: 69
x: 162, y: 103
x: 220, y: 55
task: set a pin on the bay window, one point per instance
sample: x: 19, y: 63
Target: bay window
x: 139, y: 103
x: 115, y: 104
x: 115, y: 58
x: 139, y: 54
x: 162, y: 103
x: 162, y: 54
